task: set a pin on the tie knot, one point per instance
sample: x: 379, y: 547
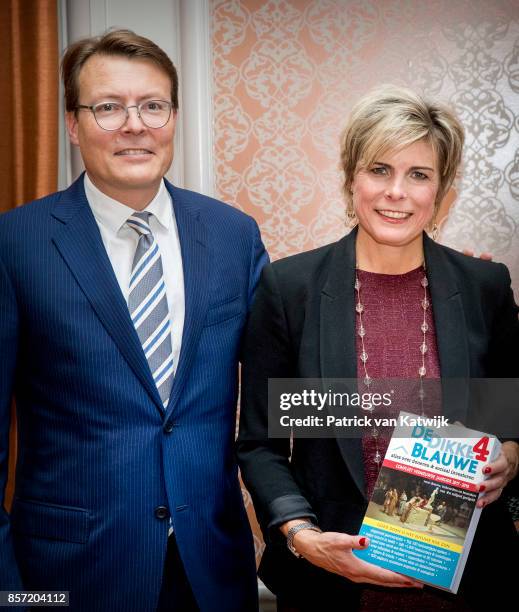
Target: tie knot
x: 139, y: 222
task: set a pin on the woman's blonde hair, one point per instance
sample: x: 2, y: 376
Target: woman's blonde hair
x: 390, y: 118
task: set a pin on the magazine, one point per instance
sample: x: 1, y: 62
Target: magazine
x: 422, y: 515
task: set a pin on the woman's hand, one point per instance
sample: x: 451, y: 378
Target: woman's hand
x: 500, y: 472
x: 333, y: 552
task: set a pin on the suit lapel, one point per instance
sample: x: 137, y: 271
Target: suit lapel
x: 451, y: 331
x: 196, y: 264
x: 338, y: 356
x: 80, y: 244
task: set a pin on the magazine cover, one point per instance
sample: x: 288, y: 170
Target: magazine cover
x: 422, y: 515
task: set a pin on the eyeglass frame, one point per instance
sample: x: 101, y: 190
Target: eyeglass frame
x: 92, y: 107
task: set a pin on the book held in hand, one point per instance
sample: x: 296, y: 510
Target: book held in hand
x: 422, y: 516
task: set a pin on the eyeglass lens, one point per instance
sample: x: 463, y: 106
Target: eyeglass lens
x: 112, y: 115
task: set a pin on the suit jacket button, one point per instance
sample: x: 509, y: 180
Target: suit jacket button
x: 161, y: 512
x: 168, y: 427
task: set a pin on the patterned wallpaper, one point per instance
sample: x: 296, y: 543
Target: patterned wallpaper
x: 287, y: 72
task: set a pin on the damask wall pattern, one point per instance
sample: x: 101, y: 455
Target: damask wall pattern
x: 286, y: 73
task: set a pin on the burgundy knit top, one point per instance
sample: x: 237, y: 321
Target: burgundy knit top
x: 392, y: 319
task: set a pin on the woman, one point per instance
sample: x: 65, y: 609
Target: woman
x: 392, y: 502
x: 387, y: 501
x: 401, y: 503
x: 383, y: 302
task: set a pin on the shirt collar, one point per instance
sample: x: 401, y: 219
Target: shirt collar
x: 112, y: 214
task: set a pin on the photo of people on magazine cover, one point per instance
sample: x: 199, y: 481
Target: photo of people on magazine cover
x: 422, y: 505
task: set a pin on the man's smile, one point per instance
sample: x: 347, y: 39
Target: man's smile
x: 134, y: 152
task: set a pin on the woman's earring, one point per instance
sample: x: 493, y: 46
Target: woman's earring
x: 435, y: 232
x: 352, y: 218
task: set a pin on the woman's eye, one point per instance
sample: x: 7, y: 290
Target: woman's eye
x: 381, y: 170
x: 419, y: 175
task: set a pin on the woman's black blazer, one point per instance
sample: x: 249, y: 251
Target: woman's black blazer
x: 302, y: 324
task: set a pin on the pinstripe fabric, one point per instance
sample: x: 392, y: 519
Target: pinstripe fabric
x: 97, y: 451
x: 148, y: 305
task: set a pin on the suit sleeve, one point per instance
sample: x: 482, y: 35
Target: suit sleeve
x: 259, y: 258
x: 264, y: 461
x: 9, y: 575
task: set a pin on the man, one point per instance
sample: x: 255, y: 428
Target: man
x: 122, y: 301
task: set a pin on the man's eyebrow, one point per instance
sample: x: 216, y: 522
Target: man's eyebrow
x: 108, y: 95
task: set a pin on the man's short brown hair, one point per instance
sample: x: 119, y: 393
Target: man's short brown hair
x: 122, y: 43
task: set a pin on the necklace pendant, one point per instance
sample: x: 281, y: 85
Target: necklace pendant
x: 421, y: 394
x: 357, y: 284
x: 424, y: 282
x: 377, y: 459
x: 422, y: 371
x: 362, y: 331
x: 363, y: 356
x: 425, y: 303
x: 367, y: 380
x: 359, y: 307
x: 424, y: 327
x: 423, y: 348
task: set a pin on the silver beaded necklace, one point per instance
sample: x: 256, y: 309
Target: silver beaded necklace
x: 359, y: 308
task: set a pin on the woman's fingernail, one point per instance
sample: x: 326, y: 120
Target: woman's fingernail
x: 482, y: 488
x: 362, y: 541
x: 487, y: 470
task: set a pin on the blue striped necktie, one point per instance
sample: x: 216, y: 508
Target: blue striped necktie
x: 148, y: 305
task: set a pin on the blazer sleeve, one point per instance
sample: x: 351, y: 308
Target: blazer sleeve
x: 9, y: 574
x: 258, y: 259
x: 503, y: 359
x: 264, y: 461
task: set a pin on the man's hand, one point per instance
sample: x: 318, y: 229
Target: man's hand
x: 486, y: 256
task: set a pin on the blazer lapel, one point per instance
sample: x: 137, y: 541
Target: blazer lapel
x: 80, y: 244
x: 451, y: 331
x: 196, y: 264
x: 338, y: 355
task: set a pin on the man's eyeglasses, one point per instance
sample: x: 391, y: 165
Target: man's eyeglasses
x: 113, y: 115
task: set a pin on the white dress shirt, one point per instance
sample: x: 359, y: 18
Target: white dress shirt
x: 120, y: 242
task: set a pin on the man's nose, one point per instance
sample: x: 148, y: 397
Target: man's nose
x: 133, y: 122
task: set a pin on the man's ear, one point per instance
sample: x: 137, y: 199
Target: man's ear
x: 72, y: 127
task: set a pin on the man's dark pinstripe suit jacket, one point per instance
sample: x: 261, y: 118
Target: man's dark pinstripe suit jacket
x: 97, y: 455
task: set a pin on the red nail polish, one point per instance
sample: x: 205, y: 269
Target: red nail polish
x: 362, y: 541
x: 482, y: 488
x: 487, y: 470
